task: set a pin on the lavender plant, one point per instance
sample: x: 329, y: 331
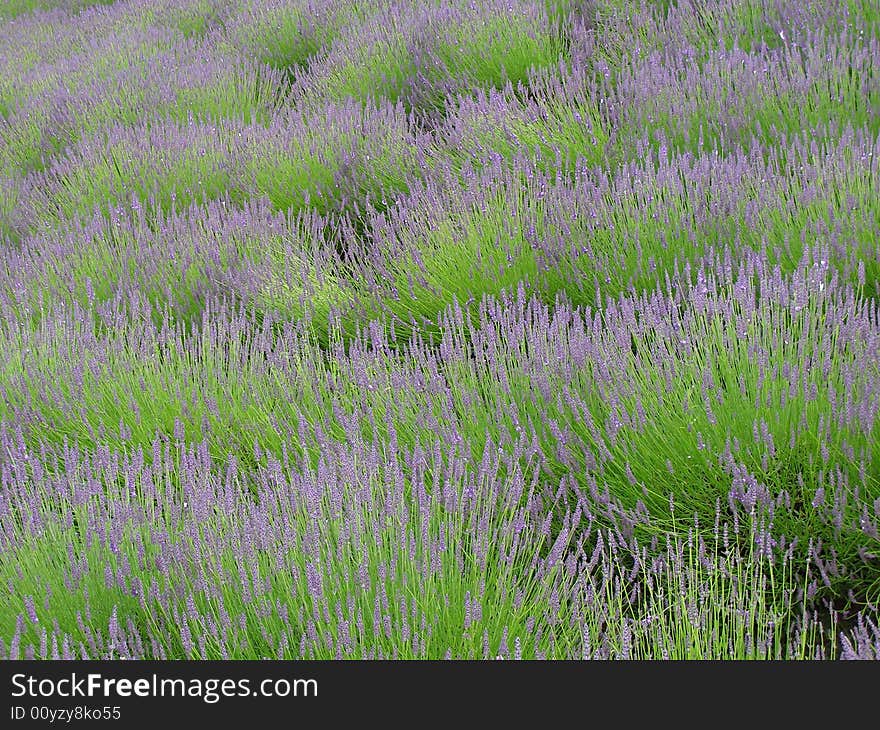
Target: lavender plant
x: 159, y: 78
x: 251, y: 253
x: 554, y: 119
x: 731, y: 97
x: 420, y: 53
x: 15, y: 8
x: 324, y: 158
x: 285, y: 34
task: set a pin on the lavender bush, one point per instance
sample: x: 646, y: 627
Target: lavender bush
x: 533, y: 329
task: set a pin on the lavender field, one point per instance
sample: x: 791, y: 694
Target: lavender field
x: 433, y: 329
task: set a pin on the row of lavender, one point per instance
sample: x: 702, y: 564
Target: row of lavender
x: 94, y: 132
x: 466, y: 232
x: 748, y: 397
x: 420, y: 501
x: 205, y: 202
